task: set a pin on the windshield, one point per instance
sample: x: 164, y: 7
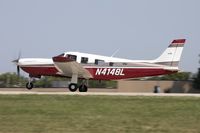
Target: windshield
x: 61, y: 55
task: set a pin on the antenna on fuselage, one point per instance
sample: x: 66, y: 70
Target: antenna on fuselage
x: 116, y: 51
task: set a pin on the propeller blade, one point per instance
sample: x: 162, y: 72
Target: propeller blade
x: 19, y: 55
x: 18, y: 71
x: 16, y: 61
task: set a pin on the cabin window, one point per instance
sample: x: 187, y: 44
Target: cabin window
x: 72, y: 57
x: 111, y: 63
x: 84, y: 60
x: 98, y: 62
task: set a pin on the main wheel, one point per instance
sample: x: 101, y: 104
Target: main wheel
x: 83, y: 88
x: 73, y: 87
x: 29, y: 86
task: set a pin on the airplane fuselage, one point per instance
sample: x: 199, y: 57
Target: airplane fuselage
x: 77, y: 65
x: 108, y: 68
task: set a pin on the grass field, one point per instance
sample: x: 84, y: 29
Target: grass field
x: 97, y: 114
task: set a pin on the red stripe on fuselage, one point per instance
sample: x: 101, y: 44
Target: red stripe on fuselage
x: 103, y: 73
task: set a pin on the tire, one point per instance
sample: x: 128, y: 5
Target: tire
x: 83, y: 88
x: 73, y: 87
x: 29, y: 86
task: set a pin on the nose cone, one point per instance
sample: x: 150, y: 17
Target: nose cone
x: 16, y: 62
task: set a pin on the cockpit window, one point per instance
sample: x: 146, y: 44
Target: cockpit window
x: 72, y: 57
x: 111, y: 63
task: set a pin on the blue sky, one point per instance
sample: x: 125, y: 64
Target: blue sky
x: 141, y: 29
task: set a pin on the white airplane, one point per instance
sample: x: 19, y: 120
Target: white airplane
x: 76, y: 65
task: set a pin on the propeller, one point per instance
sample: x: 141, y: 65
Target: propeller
x: 17, y: 63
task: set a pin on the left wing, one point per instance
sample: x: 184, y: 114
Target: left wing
x: 69, y: 67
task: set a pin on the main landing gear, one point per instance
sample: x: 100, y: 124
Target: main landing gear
x: 73, y: 86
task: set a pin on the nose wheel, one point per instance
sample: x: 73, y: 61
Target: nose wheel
x: 29, y: 86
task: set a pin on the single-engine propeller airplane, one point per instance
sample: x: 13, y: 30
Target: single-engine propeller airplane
x: 76, y: 65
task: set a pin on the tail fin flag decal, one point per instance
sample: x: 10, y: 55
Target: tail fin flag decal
x: 177, y: 43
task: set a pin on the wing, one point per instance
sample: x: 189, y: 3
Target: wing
x: 69, y: 67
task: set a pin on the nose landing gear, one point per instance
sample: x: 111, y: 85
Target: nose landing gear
x: 30, y: 85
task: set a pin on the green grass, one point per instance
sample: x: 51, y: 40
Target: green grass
x: 97, y: 114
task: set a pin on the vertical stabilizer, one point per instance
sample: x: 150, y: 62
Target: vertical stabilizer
x: 171, y: 56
